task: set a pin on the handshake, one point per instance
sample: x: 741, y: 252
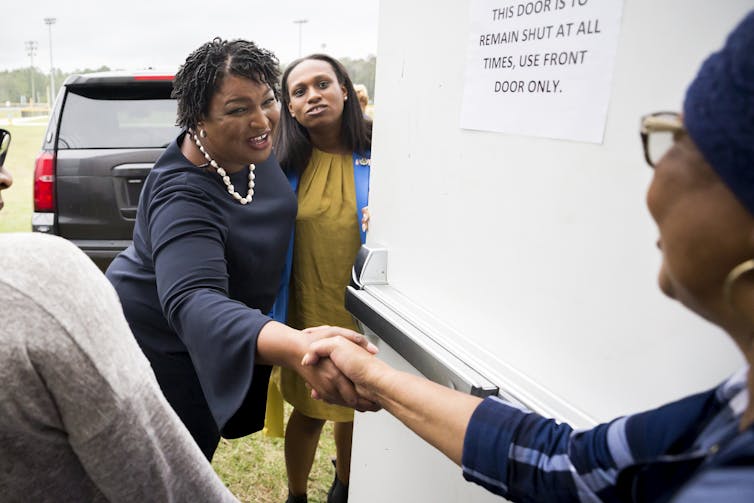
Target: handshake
x: 340, y: 367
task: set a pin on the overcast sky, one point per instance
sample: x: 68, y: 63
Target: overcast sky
x: 135, y: 34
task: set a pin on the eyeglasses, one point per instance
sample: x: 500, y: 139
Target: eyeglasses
x: 658, y: 133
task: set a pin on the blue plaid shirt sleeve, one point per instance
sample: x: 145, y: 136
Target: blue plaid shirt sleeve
x: 523, y: 456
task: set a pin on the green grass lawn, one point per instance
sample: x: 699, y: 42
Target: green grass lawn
x: 252, y: 467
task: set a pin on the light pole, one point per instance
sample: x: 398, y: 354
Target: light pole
x: 31, y: 50
x: 300, y: 23
x: 49, y: 21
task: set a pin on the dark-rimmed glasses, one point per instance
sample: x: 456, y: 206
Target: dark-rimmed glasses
x: 658, y: 133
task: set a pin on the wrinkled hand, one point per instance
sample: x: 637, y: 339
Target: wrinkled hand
x: 365, y: 218
x: 326, y: 380
x: 357, y: 363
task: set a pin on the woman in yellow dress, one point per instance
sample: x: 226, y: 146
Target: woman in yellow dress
x: 323, y: 144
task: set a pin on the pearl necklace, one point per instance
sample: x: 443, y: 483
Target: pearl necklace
x: 224, y: 175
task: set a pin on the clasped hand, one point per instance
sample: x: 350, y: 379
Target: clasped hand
x: 326, y: 378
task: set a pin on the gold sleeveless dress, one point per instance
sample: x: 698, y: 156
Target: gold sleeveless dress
x: 326, y: 243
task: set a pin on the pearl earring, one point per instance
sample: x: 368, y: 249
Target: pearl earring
x: 203, y: 133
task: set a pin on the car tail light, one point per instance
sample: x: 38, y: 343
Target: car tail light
x: 44, y: 182
x: 153, y: 77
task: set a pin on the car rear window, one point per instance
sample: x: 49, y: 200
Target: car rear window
x: 93, y: 120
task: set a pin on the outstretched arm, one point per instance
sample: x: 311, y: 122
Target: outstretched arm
x: 437, y: 414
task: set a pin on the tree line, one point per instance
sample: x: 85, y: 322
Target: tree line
x: 362, y: 71
x: 16, y: 85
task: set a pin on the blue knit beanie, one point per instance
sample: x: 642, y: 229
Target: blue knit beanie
x: 719, y: 112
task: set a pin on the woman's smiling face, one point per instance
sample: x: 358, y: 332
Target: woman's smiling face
x: 704, y: 230
x: 242, y: 116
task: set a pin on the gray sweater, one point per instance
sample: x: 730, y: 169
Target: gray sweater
x: 81, y: 415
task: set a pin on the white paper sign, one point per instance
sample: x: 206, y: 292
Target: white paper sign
x: 541, y: 68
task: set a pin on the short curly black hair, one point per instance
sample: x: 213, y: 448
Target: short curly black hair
x: 202, y: 73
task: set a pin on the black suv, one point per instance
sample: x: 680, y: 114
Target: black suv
x: 104, y: 135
